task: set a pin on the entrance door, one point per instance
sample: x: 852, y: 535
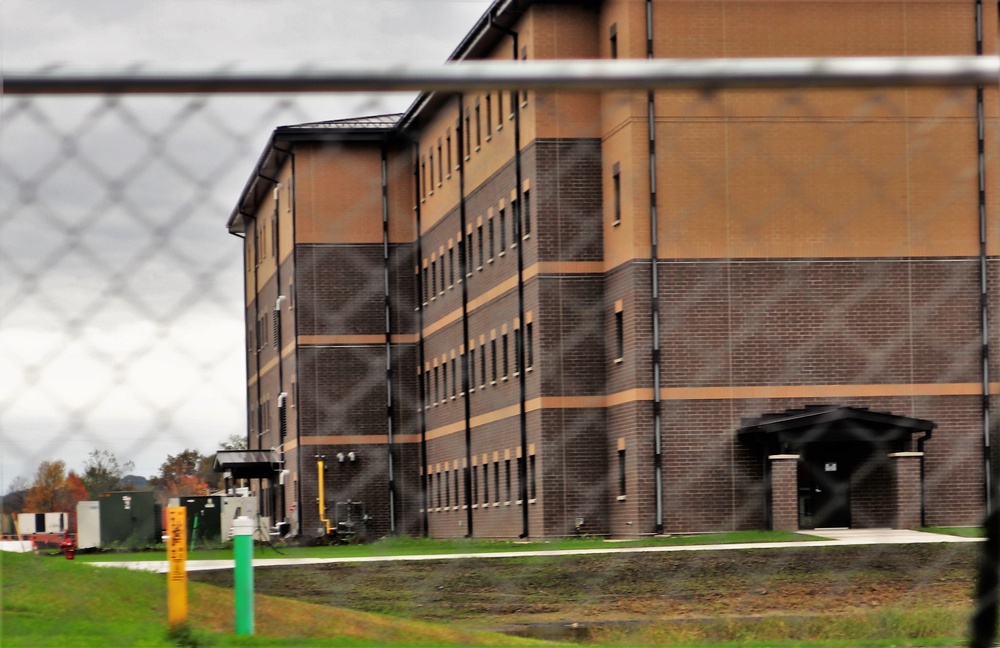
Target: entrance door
x: 824, y: 488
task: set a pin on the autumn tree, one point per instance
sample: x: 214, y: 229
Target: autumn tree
x: 46, y: 490
x: 103, y: 472
x: 180, y: 476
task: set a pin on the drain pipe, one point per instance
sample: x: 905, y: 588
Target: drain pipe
x: 655, y: 287
x: 522, y: 466
x: 388, y: 342
x: 464, y: 268
x: 983, y: 270
x: 422, y: 382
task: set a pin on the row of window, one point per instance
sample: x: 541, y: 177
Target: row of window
x: 265, y: 240
x: 477, y: 249
x: 443, y: 382
x: 499, y: 485
x: 475, y: 126
x: 264, y: 409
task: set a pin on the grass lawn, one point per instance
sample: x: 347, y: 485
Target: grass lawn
x: 964, y: 532
x: 402, y: 546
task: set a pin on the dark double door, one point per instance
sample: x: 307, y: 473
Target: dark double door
x: 824, y: 483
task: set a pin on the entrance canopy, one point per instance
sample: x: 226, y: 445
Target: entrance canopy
x: 831, y: 423
x: 247, y: 464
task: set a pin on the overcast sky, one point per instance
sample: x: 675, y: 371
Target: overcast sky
x: 120, y: 290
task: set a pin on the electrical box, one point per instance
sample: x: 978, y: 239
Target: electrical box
x: 204, y: 515
x: 88, y: 525
x: 129, y: 517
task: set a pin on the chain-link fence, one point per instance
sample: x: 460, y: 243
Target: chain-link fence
x: 124, y: 298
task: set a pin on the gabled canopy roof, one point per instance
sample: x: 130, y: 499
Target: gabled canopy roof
x: 831, y: 423
x: 248, y: 464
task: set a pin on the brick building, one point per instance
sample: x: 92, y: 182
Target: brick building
x: 482, y: 318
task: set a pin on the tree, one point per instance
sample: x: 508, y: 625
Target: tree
x: 17, y: 495
x: 234, y: 442
x: 73, y: 492
x: 45, y: 492
x: 103, y: 473
x: 179, y: 476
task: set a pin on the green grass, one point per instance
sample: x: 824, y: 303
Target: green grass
x: 53, y: 602
x: 964, y: 532
x: 402, y: 546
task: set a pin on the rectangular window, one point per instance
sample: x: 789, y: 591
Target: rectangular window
x: 515, y: 222
x: 448, y: 147
x: 440, y: 163
x: 499, y: 109
x: 482, y: 365
x: 467, y: 134
x: 430, y: 490
x: 433, y: 277
x: 479, y: 130
x: 430, y: 155
x: 492, y: 239
x: 507, y: 482
x: 506, y: 362
x: 521, y: 486
x: 434, y: 385
x: 517, y: 351
x: 489, y: 115
x: 532, y: 482
x: 423, y: 177
x: 614, y: 40
x: 447, y: 489
x: 475, y: 483
x: 619, y: 335
x: 503, y: 230
x: 479, y: 230
x: 441, y: 291
x: 458, y: 492
x: 425, y: 284
x: 444, y: 380
x: 621, y: 473
x: 486, y: 483
x: 526, y: 209
x: 472, y: 368
x: 529, y: 350
x: 454, y: 377
x: 496, y: 481
x: 493, y: 353
x: 451, y: 267
x: 468, y: 255
x: 440, y: 488
x: 616, y: 194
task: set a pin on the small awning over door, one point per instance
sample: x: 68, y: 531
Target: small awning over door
x: 248, y: 464
x: 831, y: 423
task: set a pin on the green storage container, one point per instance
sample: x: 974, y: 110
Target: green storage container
x: 130, y: 518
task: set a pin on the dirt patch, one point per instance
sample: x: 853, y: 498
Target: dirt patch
x: 636, y: 586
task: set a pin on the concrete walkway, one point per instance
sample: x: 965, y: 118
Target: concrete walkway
x: 833, y: 538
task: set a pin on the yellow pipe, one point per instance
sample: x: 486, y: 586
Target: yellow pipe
x: 322, y: 510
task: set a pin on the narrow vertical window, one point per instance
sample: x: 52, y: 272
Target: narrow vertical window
x: 468, y: 135
x: 503, y: 230
x: 479, y: 231
x: 482, y: 365
x: 515, y: 222
x: 472, y: 368
x: 499, y: 109
x: 434, y: 385
x: 444, y: 380
x: 616, y: 194
x: 423, y: 177
x: 532, y: 482
x: 468, y: 254
x: 614, y: 41
x: 447, y: 489
x: 441, y: 291
x: 520, y: 471
x: 529, y: 349
x: 451, y: 267
x: 475, y: 484
x: 619, y: 335
x: 486, y: 483
x: 507, y: 482
x: 448, y: 148
x: 492, y: 239
x: 496, y: 481
x: 621, y: 472
x: 504, y: 348
x: 433, y: 277
x: 458, y: 491
x: 489, y: 115
x: 440, y: 488
x: 430, y: 490
x: 526, y: 210
x: 454, y: 377
x: 493, y: 353
x: 479, y: 130
x: 517, y: 351
x: 430, y: 156
x: 440, y: 163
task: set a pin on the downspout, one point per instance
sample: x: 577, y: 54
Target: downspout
x: 388, y: 342
x: 422, y: 387
x: 923, y: 498
x: 522, y: 466
x: 655, y: 287
x: 983, y: 269
x: 464, y: 268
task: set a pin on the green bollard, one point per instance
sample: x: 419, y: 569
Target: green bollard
x: 243, y: 574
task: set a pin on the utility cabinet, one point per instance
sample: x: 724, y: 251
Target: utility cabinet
x: 130, y: 517
x: 88, y: 525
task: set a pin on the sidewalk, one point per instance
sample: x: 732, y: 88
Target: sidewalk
x: 836, y: 538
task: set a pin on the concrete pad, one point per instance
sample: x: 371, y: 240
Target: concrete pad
x: 885, y: 536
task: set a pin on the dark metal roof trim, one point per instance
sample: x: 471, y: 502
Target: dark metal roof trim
x: 248, y: 464
x: 833, y: 423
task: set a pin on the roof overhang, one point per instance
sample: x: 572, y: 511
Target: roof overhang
x: 248, y: 464
x: 832, y: 423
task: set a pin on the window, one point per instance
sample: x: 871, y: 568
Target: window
x: 529, y: 351
x: 616, y: 194
x: 506, y: 362
x: 482, y: 363
x: 503, y: 230
x: 496, y: 481
x: 433, y: 277
x: 467, y: 134
x: 619, y: 335
x: 499, y: 109
x: 454, y: 377
x: 479, y: 130
x: 521, y: 486
x: 440, y: 164
x: 517, y: 351
x: 479, y: 230
x: 489, y: 115
x: 458, y: 496
x: 527, y: 214
x: 468, y: 254
x: 507, y: 482
x: 614, y: 41
x: 621, y: 473
x: 423, y: 177
x: 486, y: 483
x: 447, y: 489
x: 451, y: 267
x: 430, y: 490
x: 441, y: 291
x: 444, y: 380
x: 472, y: 368
x: 424, y: 285
x: 475, y: 484
x: 533, y: 492
x: 430, y: 155
x: 448, y: 147
x: 492, y: 239
x: 515, y: 222
x: 493, y: 353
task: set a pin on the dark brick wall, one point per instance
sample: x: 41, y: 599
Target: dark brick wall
x: 340, y: 289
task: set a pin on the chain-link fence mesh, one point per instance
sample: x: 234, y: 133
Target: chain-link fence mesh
x: 123, y: 305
